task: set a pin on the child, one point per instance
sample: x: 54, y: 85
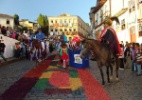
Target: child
x: 64, y: 54
x: 138, y: 59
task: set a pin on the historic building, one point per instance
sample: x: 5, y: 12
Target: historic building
x: 97, y: 14
x: 68, y: 24
x: 135, y: 20
x: 6, y: 20
x: 30, y: 25
x: 129, y: 14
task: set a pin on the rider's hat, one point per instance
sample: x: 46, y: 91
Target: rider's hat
x: 109, y: 20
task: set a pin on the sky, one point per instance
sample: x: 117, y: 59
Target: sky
x: 30, y: 9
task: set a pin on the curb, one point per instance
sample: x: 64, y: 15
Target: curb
x: 10, y: 60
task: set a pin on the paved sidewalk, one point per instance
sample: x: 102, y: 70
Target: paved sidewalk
x: 9, y: 60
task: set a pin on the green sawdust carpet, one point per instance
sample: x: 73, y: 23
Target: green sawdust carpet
x: 50, y: 78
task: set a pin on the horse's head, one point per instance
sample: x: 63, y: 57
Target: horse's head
x: 88, y: 46
x: 85, y: 46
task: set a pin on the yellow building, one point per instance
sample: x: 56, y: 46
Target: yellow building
x: 30, y: 25
x: 68, y: 24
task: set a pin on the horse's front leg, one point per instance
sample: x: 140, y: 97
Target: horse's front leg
x: 107, y: 72
x: 111, y: 72
x: 117, y: 67
x: 36, y: 56
x: 102, y: 75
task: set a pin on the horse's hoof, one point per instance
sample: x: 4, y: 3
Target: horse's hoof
x: 103, y: 83
x: 117, y: 79
x: 111, y: 77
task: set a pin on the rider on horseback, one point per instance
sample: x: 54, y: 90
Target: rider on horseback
x: 108, y: 35
x: 40, y: 36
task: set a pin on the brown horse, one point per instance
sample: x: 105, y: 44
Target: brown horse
x: 102, y: 54
x: 38, y: 50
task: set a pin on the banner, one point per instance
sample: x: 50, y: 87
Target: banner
x: 77, y: 59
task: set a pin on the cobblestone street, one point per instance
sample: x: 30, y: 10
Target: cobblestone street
x: 129, y: 87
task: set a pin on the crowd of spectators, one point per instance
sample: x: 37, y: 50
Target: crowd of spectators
x: 132, y: 57
x: 20, y: 49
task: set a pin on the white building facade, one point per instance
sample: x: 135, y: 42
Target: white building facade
x: 6, y: 20
x: 129, y: 13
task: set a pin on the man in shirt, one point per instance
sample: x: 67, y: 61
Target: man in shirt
x: 40, y: 36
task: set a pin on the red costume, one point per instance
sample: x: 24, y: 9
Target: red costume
x: 75, y: 42
x: 64, y: 54
x: 109, y: 35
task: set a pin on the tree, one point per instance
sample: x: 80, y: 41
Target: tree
x: 43, y: 22
x: 16, y: 21
x: 87, y: 24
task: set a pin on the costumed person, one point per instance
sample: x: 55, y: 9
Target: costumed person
x: 40, y: 36
x: 108, y: 36
x: 64, y: 54
x: 75, y: 43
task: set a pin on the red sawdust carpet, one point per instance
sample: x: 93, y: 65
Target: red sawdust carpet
x: 20, y: 88
x: 50, y: 78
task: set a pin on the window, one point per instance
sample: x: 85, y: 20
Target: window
x: 96, y: 22
x: 101, y: 15
x: 7, y: 22
x: 61, y: 30
x: 69, y: 20
x: 56, y: 30
x: 74, y: 21
x: 61, y: 23
x: 117, y: 26
x: 123, y: 24
x: 51, y: 30
x: 65, y: 21
x: 51, y: 25
x: 70, y: 38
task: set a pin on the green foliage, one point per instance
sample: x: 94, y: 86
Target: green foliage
x: 43, y: 22
x: 16, y: 19
x: 87, y: 24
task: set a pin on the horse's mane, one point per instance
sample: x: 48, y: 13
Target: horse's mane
x: 97, y: 45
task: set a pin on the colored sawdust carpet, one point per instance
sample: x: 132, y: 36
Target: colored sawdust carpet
x: 51, y: 79
x: 20, y: 88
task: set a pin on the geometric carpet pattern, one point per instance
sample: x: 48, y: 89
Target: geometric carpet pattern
x: 51, y: 78
x: 56, y: 80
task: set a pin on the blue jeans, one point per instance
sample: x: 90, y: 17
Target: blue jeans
x: 1, y: 53
x: 138, y: 69
x: 133, y: 64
